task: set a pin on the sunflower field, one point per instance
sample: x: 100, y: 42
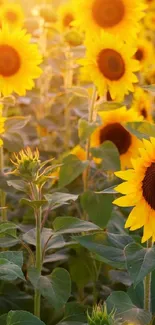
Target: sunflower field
x: 77, y: 162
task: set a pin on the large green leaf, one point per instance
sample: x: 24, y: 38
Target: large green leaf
x: 140, y: 261
x: 58, y: 199
x: 107, y: 247
x: 48, y: 238
x: 98, y: 207
x: 71, y: 169
x: 8, y: 228
x: 85, y: 129
x: 67, y: 225
x: 74, y: 312
x: 126, y: 310
x: 81, y: 268
x: 109, y: 155
x: 15, y: 257
x: 56, y: 288
x: 22, y: 318
x: 10, y: 271
x: 141, y: 129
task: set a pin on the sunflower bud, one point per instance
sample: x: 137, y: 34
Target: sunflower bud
x: 27, y: 164
x: 73, y: 37
x: 100, y: 316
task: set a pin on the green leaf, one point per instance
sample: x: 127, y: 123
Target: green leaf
x: 71, y: 169
x: 140, y: 261
x: 74, y: 312
x: 79, y: 91
x: 8, y: 228
x: 94, y: 204
x: 19, y: 185
x: 109, y: 190
x: 67, y: 225
x: 13, y: 124
x: 13, y: 142
x: 22, y: 318
x: 126, y: 310
x: 109, y: 154
x: 3, y: 319
x: 141, y: 129
x: 107, y: 247
x: 81, y: 268
x: 13, y: 257
x: 47, y: 236
x: 58, y: 199
x: 6, y: 242
x: 106, y: 106
x: 10, y: 271
x: 85, y: 129
x: 33, y: 204
x: 56, y: 288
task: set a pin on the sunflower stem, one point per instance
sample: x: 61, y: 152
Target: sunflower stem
x: 2, y: 193
x: 147, y: 286
x: 88, y: 156
x: 38, y: 263
x: 68, y: 84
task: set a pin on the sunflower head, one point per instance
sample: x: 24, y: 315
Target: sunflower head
x: 19, y: 60
x: 139, y: 191
x: 149, y: 20
x: 114, y: 16
x: 110, y: 64
x: 27, y: 164
x: 143, y: 103
x: 113, y: 129
x: 12, y: 14
x: 66, y: 16
x: 144, y: 53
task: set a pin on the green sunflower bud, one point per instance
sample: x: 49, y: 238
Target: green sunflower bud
x: 100, y: 316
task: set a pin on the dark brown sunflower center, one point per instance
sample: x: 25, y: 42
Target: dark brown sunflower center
x: 68, y: 18
x: 108, y: 13
x: 117, y: 134
x: 11, y: 16
x: 111, y: 64
x: 148, y: 186
x: 144, y: 112
x: 139, y: 55
x: 9, y: 61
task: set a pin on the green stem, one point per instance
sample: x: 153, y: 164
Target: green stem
x: 147, y: 286
x: 88, y: 156
x: 68, y: 84
x: 38, y: 264
x: 37, y: 296
x: 2, y: 193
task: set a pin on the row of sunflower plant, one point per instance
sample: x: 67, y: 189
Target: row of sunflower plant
x: 76, y: 118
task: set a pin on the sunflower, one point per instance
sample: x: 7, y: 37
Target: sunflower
x: 139, y: 191
x: 116, y: 16
x: 12, y: 14
x: 19, y: 61
x: 66, y: 15
x: 144, y: 53
x: 150, y: 4
x: 113, y: 130
x: 142, y: 103
x: 79, y: 152
x: 111, y: 66
x: 149, y: 20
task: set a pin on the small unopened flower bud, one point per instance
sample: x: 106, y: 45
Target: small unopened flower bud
x: 100, y: 316
x: 27, y: 164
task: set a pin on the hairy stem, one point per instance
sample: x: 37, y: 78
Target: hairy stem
x: 88, y: 157
x: 147, y: 286
x: 2, y: 193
